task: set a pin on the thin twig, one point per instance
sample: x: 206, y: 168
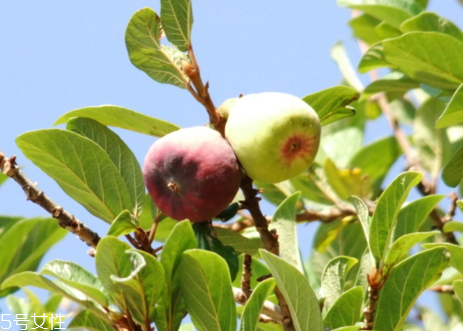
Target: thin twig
x: 65, y: 219
x: 443, y: 289
x: 246, y: 276
x: 154, y: 227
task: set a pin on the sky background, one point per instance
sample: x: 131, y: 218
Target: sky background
x: 57, y: 56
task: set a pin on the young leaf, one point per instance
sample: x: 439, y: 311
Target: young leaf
x: 81, y: 168
x: 77, y: 277
x: 206, y: 287
x: 428, y: 21
x: 427, y: 57
x: 88, y: 321
x: 402, y: 245
x: 453, y: 226
x: 363, y: 27
x: 412, y: 216
x: 158, y: 61
x: 301, y: 299
x: 122, y: 157
x: 124, y: 224
x: 123, y: 118
x: 347, y: 309
x: 284, y: 221
x: 453, y: 113
x: 253, y: 308
x: 456, y: 254
x: 238, y: 241
x: 331, y: 104
x: 403, y: 286
x: 373, y: 58
x: 334, y: 277
x: 177, y: 20
x: 347, y: 182
x: 32, y: 238
x: 387, y: 209
x: 363, y: 214
x: 385, y: 31
x: 394, y: 83
x: 393, y: 12
x: 339, y: 54
x: 453, y: 170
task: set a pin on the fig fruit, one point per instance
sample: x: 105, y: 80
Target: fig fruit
x: 192, y: 174
x: 274, y: 135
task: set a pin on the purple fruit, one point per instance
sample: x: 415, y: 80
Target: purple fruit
x: 192, y: 174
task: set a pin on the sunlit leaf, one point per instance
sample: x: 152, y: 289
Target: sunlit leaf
x: 428, y: 21
x: 124, y: 224
x: 373, y: 59
x: 453, y: 113
x: 253, y: 307
x: 85, y: 319
x: 238, y: 241
x: 456, y: 254
x: 346, y: 310
x: 394, y: 83
x: 339, y: 54
x: 363, y: 27
x: 177, y: 20
x: 402, y: 245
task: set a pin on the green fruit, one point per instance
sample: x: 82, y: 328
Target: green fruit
x: 226, y: 106
x: 275, y: 135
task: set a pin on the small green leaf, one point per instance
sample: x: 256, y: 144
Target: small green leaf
x: 334, y: 277
x: 456, y: 254
x: 387, y: 209
x: 412, y: 216
x: 238, y: 241
x: 3, y: 178
x: 428, y: 21
x: 284, y: 221
x: 160, y: 62
x: 453, y: 113
x: 427, y: 57
x: 6, y: 222
x: 385, y: 31
x: 124, y: 224
x: 347, y: 309
x: 332, y: 103
x: 347, y: 182
x: 363, y: 27
x: 373, y: 59
x: 453, y: 226
x: 32, y: 238
x: 123, y: 118
x: 77, y: 277
x: 81, y: 168
x: 339, y: 54
x: 253, y: 307
x: 122, y: 157
x: 401, y: 246
x: 177, y: 20
x: 86, y: 320
x: 458, y: 288
x: 394, y: 83
x: 453, y: 170
x: 301, y: 299
x: 393, y: 12
x: 206, y: 286
x: 403, y: 286
x: 363, y: 214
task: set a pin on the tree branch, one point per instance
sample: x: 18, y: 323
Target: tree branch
x: 246, y: 276
x: 66, y: 220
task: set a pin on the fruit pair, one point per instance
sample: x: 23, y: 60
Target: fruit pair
x: 193, y: 173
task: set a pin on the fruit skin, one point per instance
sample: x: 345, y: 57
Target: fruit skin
x: 275, y: 135
x: 192, y: 174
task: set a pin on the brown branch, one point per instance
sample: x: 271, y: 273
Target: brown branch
x: 443, y: 289
x: 66, y: 220
x: 376, y: 282
x: 246, y: 276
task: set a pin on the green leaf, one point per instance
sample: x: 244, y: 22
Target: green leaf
x: 393, y: 12
x: 401, y: 246
x: 458, y: 288
x: 123, y: 118
x: 347, y: 309
x: 32, y: 238
x: 238, y: 241
x: 394, y: 83
x: 456, y: 254
x: 348, y: 328
x: 385, y: 31
x: 339, y: 54
x: 387, y: 209
x: 162, y: 63
x: 206, y: 286
x: 453, y: 113
x: 253, y: 307
x: 428, y: 21
x: 81, y: 168
x: 301, y: 299
x: 309, y: 184
x: 284, y: 221
x: 177, y: 20
x: 333, y: 279
x: 331, y: 104
x: 373, y: 58
x: 3, y: 178
x: 363, y: 27
x: 6, y: 222
x: 363, y: 214
x: 187, y: 327
x: 376, y: 159
x: 403, y: 286
x: 53, y: 302
x: 181, y: 238
x: 275, y: 193
x: 347, y: 182
x: 412, y: 216
x: 428, y: 57
x: 452, y: 173
x: 453, y: 226
x: 124, y: 224
x: 122, y: 157
x: 85, y: 319
x: 77, y: 277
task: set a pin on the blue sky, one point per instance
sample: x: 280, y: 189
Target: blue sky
x: 61, y: 55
